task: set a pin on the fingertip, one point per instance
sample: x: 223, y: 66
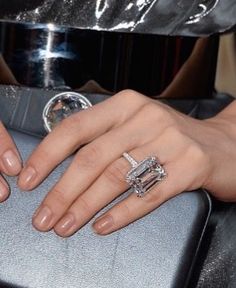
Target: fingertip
x: 104, y: 225
x: 42, y: 219
x: 63, y: 235
x: 67, y: 226
x: 11, y: 163
x: 99, y: 233
x: 27, y: 178
x: 40, y: 228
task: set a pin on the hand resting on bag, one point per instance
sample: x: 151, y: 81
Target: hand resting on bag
x: 194, y: 153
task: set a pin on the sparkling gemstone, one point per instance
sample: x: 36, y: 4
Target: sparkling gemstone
x: 62, y: 106
x: 145, y: 175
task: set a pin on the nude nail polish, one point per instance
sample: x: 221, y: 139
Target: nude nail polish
x: 27, y: 177
x: 66, y: 226
x: 11, y: 163
x: 103, y: 225
x: 43, y: 218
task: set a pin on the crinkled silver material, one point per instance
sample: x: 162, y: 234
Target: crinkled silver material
x: 166, y: 17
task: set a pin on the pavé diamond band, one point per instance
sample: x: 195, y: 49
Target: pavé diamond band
x: 144, y: 174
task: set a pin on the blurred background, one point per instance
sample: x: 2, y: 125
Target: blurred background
x: 54, y: 57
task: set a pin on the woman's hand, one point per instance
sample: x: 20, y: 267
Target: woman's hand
x: 10, y: 162
x: 194, y: 154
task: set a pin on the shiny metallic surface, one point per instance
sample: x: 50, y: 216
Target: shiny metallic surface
x: 164, y: 17
x: 22, y: 107
x: 145, y: 176
x: 58, y: 57
x: 62, y: 106
x: 204, y: 11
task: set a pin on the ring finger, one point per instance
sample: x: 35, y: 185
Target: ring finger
x: 107, y: 187
x: 88, y: 164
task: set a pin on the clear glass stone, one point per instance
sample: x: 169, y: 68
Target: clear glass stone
x: 145, y: 175
x: 62, y: 106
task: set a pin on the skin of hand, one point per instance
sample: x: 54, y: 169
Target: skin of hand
x: 194, y: 153
x: 10, y: 161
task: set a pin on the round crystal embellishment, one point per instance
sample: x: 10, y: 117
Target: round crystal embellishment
x: 62, y: 106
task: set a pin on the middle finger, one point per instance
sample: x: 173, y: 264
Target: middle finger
x: 86, y: 167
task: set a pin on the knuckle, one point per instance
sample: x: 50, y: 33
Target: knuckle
x: 126, y: 211
x: 58, y: 196
x: 157, y: 111
x: 174, y: 132
x: 77, y: 120
x: 115, y: 173
x: 40, y: 159
x: 71, y: 121
x: 150, y: 108
x: 88, y: 156
x: 85, y: 208
x: 76, y: 124
x: 196, y: 153
x: 129, y: 93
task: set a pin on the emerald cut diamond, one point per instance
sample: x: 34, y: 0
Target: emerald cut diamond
x: 144, y: 175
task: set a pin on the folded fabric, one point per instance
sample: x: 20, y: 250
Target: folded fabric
x: 166, y: 17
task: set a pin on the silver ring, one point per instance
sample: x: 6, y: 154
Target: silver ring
x: 144, y: 175
x: 62, y: 106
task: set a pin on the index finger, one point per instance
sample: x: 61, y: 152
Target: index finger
x: 10, y: 161
x: 76, y: 131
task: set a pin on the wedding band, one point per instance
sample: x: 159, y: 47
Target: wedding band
x: 144, y: 175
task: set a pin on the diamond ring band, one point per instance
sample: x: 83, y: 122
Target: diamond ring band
x: 144, y: 175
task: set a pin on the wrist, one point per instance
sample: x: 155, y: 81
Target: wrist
x: 225, y: 121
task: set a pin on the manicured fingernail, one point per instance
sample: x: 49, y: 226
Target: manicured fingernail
x: 4, y: 191
x: 42, y: 218
x: 103, y: 225
x: 11, y: 163
x: 27, y: 177
x: 66, y: 226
